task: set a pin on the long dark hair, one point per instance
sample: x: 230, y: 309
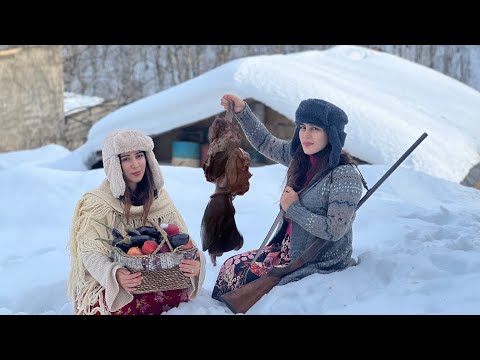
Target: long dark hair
x: 143, y: 195
x: 301, y: 168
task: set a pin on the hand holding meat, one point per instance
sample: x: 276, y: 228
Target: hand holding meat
x: 227, y: 166
x: 239, y: 104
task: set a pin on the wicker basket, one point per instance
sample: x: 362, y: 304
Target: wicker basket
x: 160, y: 270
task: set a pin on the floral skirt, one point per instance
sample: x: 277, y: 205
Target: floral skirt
x: 153, y: 303
x: 232, y: 273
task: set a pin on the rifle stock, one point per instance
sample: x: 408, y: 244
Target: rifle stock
x: 243, y: 298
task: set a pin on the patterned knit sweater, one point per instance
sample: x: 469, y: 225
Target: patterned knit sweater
x: 324, y: 211
x: 92, y: 277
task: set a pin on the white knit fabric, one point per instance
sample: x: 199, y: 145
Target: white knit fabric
x: 119, y: 142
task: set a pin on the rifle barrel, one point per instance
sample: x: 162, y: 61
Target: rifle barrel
x: 391, y: 170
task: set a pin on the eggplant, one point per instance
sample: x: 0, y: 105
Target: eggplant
x: 151, y: 231
x: 133, y: 232
x: 138, y: 240
x: 144, y: 229
x: 178, y: 239
x: 117, y: 234
x: 123, y: 246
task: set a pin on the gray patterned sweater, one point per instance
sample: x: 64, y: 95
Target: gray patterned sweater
x: 324, y: 211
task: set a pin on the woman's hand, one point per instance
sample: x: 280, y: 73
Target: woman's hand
x: 127, y: 280
x: 190, y: 268
x: 289, y: 196
x: 239, y: 103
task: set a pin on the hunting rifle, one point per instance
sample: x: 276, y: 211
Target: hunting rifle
x: 243, y: 298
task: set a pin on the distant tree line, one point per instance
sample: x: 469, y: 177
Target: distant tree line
x: 129, y: 72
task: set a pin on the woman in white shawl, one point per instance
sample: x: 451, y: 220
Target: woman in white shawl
x: 132, y: 194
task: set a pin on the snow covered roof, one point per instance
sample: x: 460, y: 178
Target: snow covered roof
x: 73, y: 103
x: 390, y: 102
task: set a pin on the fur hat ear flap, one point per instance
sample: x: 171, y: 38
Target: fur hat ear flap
x: 295, y: 141
x: 155, y: 169
x: 336, y: 143
x: 113, y: 169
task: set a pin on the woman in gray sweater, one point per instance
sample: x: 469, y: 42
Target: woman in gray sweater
x: 323, y: 188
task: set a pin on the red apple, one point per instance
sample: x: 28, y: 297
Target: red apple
x: 171, y: 229
x: 164, y: 248
x: 149, y: 247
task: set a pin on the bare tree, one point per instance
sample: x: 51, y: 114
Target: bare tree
x: 128, y: 72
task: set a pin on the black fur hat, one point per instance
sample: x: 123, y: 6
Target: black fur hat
x: 327, y: 116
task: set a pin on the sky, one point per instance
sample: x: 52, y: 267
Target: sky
x: 417, y: 237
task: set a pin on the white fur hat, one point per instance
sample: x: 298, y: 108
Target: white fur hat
x: 119, y: 142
